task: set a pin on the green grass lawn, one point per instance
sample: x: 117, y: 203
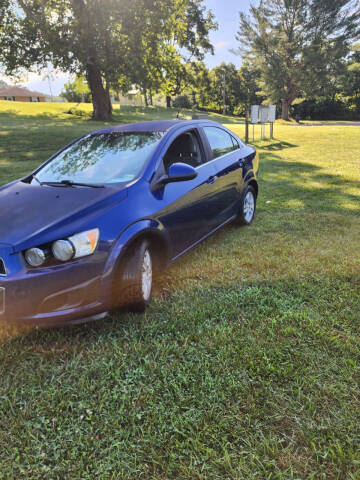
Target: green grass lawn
x: 246, y: 365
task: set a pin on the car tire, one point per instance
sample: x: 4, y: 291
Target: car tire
x: 136, y: 278
x: 247, y: 207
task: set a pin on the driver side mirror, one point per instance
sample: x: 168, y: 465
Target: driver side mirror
x: 178, y: 172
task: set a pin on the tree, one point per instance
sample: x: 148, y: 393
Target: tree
x: 207, y: 87
x: 77, y: 90
x: 350, y: 82
x: 249, y: 85
x: 8, y: 37
x: 200, y: 85
x: 297, y: 45
x: 92, y: 37
x: 104, y: 39
x: 226, y: 77
x: 185, y: 43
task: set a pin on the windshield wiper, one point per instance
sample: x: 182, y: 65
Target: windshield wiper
x: 35, y: 178
x: 70, y: 183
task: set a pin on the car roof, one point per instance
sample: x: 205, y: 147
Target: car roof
x: 155, y: 126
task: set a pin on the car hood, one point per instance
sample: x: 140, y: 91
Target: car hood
x: 31, y: 211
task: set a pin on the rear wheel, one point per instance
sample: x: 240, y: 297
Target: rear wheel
x: 136, y: 279
x: 247, y: 206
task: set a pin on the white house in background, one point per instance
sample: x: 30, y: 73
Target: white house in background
x: 136, y: 99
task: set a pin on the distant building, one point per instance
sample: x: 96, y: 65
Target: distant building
x: 19, y: 94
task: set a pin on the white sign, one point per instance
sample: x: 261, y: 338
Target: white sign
x: 272, y: 113
x: 254, y: 114
x: 262, y: 113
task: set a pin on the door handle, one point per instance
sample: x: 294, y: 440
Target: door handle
x: 212, y: 179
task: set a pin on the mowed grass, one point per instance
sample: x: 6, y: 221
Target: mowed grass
x: 246, y: 365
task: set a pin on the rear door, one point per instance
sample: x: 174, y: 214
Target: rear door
x: 227, y: 156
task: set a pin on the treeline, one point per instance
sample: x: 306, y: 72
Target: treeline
x: 223, y: 88
x: 204, y: 88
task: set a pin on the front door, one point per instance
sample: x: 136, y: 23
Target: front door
x: 192, y: 209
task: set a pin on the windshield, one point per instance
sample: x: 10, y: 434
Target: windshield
x: 102, y: 158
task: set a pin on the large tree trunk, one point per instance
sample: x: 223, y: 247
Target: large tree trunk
x: 195, y: 103
x: 146, y: 98
x: 102, y: 107
x: 168, y: 101
x: 285, y: 109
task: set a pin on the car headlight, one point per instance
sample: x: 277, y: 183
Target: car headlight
x: 77, y: 246
x: 63, y: 250
x: 35, y: 257
x: 85, y: 243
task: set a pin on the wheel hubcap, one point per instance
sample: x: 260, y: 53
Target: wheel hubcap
x: 249, y: 207
x: 146, y: 275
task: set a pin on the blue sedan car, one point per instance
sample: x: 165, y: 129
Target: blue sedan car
x: 85, y: 232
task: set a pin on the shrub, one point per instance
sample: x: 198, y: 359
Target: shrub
x: 182, y: 101
x: 325, y: 108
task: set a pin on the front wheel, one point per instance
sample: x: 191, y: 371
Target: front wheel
x: 137, y: 278
x: 247, y: 206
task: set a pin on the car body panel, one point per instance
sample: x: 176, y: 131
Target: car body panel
x: 50, y: 206
x: 177, y: 215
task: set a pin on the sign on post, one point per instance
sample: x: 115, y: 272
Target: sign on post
x: 263, y: 114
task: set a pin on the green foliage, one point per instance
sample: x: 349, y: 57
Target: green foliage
x: 187, y: 41
x: 344, y: 104
x: 349, y: 83
x: 182, y: 101
x: 240, y: 87
x: 325, y: 108
x: 77, y: 91
x: 298, y: 45
x: 244, y: 367
x: 8, y: 34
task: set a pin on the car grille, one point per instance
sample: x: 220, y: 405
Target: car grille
x: 2, y: 267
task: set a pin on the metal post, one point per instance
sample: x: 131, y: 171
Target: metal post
x: 271, y: 130
x: 49, y: 80
x: 247, y: 126
x: 224, y: 94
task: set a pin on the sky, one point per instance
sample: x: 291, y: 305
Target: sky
x: 227, y: 16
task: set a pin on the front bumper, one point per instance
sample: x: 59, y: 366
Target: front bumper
x: 51, y: 295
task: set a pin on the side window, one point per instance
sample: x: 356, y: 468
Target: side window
x: 220, y: 141
x: 185, y: 149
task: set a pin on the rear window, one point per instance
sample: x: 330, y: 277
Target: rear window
x: 220, y: 141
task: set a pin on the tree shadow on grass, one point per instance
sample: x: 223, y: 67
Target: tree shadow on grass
x: 308, y: 183
x: 13, y: 119
x: 280, y: 145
